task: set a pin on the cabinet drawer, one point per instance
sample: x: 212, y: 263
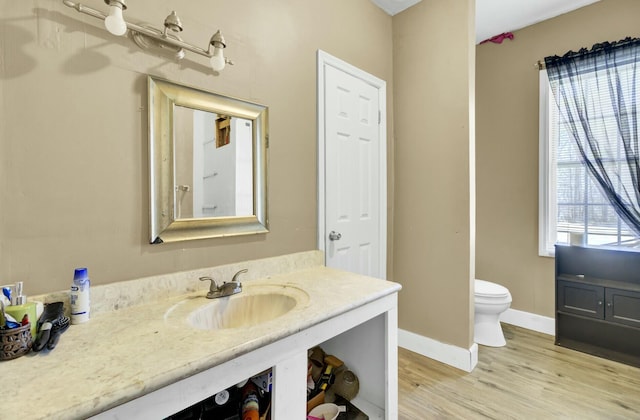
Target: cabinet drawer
x: 581, y: 299
x: 623, y: 307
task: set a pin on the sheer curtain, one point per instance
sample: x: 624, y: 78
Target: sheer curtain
x: 597, y: 94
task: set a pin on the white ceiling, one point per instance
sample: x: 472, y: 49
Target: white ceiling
x: 494, y: 17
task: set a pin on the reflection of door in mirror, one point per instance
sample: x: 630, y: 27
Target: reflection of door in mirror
x: 213, y: 177
x: 183, y: 136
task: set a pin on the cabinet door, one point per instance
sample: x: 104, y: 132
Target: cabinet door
x: 623, y: 307
x: 581, y: 299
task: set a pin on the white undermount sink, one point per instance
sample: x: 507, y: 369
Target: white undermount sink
x: 255, y: 305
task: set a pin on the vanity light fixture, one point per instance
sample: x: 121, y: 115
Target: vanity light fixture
x: 148, y: 37
x: 115, y: 22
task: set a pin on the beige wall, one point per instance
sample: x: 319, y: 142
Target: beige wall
x: 507, y: 145
x: 73, y: 128
x: 73, y: 139
x: 433, y: 225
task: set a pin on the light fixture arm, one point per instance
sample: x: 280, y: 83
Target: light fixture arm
x: 156, y: 34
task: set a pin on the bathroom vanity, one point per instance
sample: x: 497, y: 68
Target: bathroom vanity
x: 146, y: 360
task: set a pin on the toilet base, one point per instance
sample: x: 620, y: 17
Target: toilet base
x: 488, y: 331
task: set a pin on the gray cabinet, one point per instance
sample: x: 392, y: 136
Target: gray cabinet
x: 580, y: 299
x: 608, y: 303
x: 622, y: 306
x: 598, y: 302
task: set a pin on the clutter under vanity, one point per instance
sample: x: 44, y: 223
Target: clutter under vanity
x: 331, y: 387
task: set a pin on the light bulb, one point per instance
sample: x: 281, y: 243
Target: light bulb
x: 114, y: 22
x: 217, y: 59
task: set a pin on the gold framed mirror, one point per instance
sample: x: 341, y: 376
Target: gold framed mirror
x: 207, y: 164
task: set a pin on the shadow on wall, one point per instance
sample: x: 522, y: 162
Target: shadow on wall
x: 21, y: 62
x: 86, y: 60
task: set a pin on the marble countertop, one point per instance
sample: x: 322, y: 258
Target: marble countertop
x: 124, y: 353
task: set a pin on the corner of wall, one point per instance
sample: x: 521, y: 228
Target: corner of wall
x: 458, y: 357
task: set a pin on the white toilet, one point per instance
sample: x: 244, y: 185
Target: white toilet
x: 490, y: 301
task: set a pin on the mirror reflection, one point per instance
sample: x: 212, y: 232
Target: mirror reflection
x: 214, y: 164
x: 208, y: 164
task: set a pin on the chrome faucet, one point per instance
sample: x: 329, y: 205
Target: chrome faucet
x: 226, y: 288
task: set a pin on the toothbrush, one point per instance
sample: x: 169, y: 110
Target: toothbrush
x: 9, y: 321
x: 6, y: 294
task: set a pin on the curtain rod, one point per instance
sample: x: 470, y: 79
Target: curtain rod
x: 595, y: 49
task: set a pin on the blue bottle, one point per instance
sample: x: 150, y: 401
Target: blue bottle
x: 79, y: 297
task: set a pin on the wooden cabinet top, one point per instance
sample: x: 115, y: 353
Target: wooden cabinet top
x: 598, y: 265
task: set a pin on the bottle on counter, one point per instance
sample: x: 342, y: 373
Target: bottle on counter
x: 79, y: 297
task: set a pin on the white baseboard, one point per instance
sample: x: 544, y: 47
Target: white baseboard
x: 467, y: 359
x: 458, y: 357
x: 530, y: 321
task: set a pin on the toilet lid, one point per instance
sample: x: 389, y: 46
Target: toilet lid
x: 488, y: 289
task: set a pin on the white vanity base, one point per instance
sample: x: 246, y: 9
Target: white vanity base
x: 365, y: 338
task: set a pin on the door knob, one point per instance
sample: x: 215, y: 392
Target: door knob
x: 334, y: 236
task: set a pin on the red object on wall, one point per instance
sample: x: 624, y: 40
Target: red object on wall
x: 499, y: 38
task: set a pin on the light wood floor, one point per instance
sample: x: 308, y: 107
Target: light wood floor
x: 529, y: 378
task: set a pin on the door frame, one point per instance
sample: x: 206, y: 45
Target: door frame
x: 324, y: 59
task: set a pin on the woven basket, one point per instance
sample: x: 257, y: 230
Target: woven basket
x: 15, y: 342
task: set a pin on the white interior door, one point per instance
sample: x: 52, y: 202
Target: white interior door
x: 352, y: 165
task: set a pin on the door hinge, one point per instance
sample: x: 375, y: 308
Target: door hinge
x: 379, y: 117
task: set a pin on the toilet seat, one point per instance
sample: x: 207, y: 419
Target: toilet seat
x: 486, y: 289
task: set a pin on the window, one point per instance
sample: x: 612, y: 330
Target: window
x: 572, y: 208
